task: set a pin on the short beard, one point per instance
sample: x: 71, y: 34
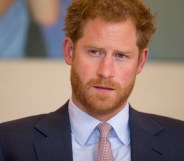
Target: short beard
x: 96, y: 104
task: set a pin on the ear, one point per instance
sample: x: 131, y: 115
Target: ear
x: 142, y: 59
x: 67, y: 48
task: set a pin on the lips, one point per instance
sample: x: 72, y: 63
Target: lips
x: 103, y: 88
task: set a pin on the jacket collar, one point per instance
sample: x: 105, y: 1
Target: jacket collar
x: 56, y: 144
x: 145, y: 143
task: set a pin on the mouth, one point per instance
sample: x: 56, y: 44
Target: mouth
x: 104, y: 89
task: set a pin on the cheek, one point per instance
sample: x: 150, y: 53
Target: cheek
x: 126, y: 76
x: 85, y: 70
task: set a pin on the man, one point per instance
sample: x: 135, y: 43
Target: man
x: 106, y: 46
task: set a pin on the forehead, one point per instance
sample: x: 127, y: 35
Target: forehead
x: 100, y: 31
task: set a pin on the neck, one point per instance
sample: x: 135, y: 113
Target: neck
x: 103, y: 117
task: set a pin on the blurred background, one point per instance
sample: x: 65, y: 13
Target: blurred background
x: 34, y: 78
x: 31, y: 28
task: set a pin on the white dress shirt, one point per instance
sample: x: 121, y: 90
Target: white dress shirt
x: 85, y: 135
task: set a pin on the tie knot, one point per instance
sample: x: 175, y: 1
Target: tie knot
x: 104, y: 129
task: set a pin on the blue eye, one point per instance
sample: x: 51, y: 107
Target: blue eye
x: 120, y: 56
x: 95, y: 53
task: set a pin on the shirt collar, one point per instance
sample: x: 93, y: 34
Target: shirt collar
x: 120, y: 124
x: 82, y: 124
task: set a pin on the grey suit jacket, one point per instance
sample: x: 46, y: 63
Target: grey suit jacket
x: 48, y: 138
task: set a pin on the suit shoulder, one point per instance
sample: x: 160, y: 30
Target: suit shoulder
x: 149, y: 119
x: 31, y: 121
x: 22, y: 122
x: 165, y: 121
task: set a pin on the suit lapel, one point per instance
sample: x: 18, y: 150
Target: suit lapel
x: 144, y: 142
x: 56, y: 144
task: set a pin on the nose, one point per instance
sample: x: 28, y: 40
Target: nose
x: 106, y: 68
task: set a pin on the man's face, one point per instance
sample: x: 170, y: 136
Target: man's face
x: 105, y: 63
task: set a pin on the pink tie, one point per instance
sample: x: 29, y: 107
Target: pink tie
x: 104, y: 145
